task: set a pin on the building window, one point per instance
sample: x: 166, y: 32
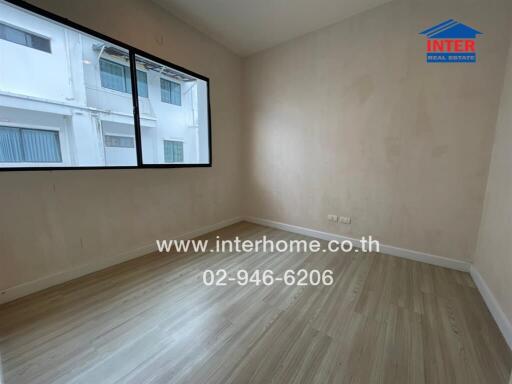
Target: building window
x: 173, y: 151
x: 17, y: 36
x: 171, y: 92
x: 29, y: 145
x: 119, y: 141
x: 142, y: 83
x: 116, y: 76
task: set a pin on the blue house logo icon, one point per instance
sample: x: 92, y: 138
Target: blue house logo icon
x: 451, y: 42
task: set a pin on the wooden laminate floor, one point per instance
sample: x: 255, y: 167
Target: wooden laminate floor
x: 151, y: 320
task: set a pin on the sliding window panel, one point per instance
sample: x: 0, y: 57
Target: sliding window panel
x: 64, y: 96
x: 174, y: 115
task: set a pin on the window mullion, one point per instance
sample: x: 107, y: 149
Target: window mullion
x: 135, y: 99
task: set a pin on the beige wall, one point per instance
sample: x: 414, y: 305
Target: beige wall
x: 493, y: 256
x: 350, y: 120
x: 55, y: 221
x: 347, y: 120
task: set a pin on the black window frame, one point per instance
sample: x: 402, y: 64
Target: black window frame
x: 132, y: 52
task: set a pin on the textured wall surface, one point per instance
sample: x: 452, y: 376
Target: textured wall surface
x: 493, y: 257
x: 56, y: 221
x: 350, y: 120
x: 347, y: 120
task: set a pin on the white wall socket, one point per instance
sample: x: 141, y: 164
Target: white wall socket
x: 339, y: 219
x: 344, y: 220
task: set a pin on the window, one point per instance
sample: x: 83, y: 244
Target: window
x: 29, y: 145
x: 171, y: 92
x: 173, y: 151
x: 190, y: 122
x: 84, y: 91
x: 114, y: 76
x: 117, y: 77
x: 15, y: 35
x: 119, y: 141
x: 142, y: 84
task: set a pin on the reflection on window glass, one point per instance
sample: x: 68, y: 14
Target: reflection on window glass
x: 62, y: 99
x: 178, y: 108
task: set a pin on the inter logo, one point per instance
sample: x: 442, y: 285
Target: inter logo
x: 451, y: 42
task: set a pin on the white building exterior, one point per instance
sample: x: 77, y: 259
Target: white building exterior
x: 67, y: 91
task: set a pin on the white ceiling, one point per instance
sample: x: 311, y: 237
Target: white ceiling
x: 249, y: 26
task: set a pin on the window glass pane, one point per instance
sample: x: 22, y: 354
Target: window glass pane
x: 63, y: 99
x: 165, y: 90
x: 112, y: 76
x: 142, y: 84
x: 40, y: 146
x: 119, y: 141
x: 118, y: 77
x: 10, y: 145
x: 29, y: 145
x: 127, y: 79
x: 175, y: 128
x: 22, y: 37
x: 15, y: 36
x: 175, y: 93
x: 170, y: 92
x: 173, y: 151
x: 37, y: 42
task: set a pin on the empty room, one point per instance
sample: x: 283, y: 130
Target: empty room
x: 240, y: 191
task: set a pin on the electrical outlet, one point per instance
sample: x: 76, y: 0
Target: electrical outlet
x: 344, y: 220
x: 332, y: 218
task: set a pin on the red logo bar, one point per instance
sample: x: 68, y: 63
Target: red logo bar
x: 450, y: 45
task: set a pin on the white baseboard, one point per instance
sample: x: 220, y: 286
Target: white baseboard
x: 428, y: 258
x: 25, y: 289
x: 423, y: 257
x: 493, y: 305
